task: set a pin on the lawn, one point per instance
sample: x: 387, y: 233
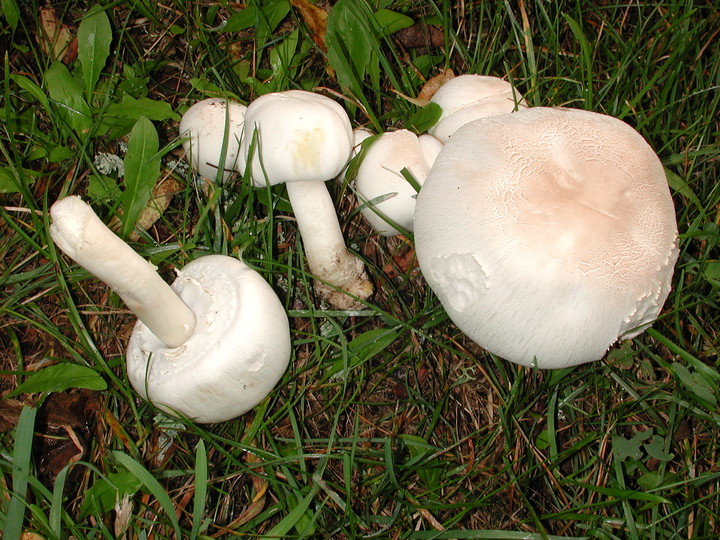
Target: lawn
x: 389, y: 422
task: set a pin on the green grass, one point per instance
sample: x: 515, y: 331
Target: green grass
x: 389, y: 422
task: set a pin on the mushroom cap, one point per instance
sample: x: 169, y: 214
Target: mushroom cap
x: 294, y: 136
x: 379, y: 177
x: 203, y: 129
x: 469, y: 97
x: 238, y: 352
x: 547, y: 234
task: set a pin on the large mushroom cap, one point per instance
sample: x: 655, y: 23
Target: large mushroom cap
x: 238, y: 353
x: 208, y: 127
x: 295, y: 136
x: 547, y: 234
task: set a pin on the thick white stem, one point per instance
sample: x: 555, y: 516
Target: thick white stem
x: 79, y: 233
x: 325, y: 250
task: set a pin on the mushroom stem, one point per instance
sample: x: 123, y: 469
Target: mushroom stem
x: 327, y: 256
x: 83, y: 237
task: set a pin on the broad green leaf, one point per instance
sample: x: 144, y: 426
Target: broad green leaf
x: 650, y: 480
x: 33, y: 89
x: 363, y: 348
x: 421, y: 459
x: 94, y: 37
x: 626, y: 449
x: 152, y: 485
x: 60, y: 377
x: 678, y: 185
x: 712, y: 273
x: 11, y: 179
x: 101, y: 496
x: 424, y: 118
x: 368, y: 344
x: 348, y: 39
x: 142, y: 169
x: 67, y: 97
x: 103, y: 188
x: 656, y: 449
x: 134, y: 109
x: 281, y: 60
x: 391, y: 21
x: 12, y: 12
x: 696, y: 383
x: 240, y: 20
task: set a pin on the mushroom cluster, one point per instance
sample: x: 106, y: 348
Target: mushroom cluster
x: 209, y: 347
x: 386, y: 193
x: 547, y: 234
x: 298, y: 138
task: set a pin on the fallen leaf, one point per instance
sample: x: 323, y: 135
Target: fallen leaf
x: 64, y: 426
x: 316, y: 20
x: 31, y: 536
x: 433, y: 84
x: 55, y: 38
x: 420, y: 35
x: 401, y: 263
x: 161, y: 197
x: 9, y: 414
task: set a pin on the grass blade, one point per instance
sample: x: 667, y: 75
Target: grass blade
x: 201, y: 477
x: 21, y: 470
x: 152, y: 485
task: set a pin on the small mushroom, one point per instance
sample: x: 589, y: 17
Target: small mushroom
x: 303, y: 139
x: 387, y: 196
x: 469, y: 97
x: 548, y: 234
x: 209, y: 347
x: 209, y: 128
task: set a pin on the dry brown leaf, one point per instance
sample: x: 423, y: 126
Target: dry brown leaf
x: 161, y: 197
x: 400, y: 264
x: 31, y: 536
x: 433, y: 84
x: 315, y: 18
x: 64, y: 426
x: 55, y: 38
x: 420, y: 35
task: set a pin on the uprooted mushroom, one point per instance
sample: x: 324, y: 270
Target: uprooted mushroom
x: 209, y: 347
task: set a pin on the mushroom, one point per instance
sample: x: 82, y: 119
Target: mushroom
x: 210, y: 128
x: 360, y: 135
x: 388, y: 197
x: 209, y: 347
x: 548, y: 234
x: 469, y: 97
x: 303, y: 139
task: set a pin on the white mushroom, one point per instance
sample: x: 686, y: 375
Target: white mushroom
x: 469, y: 97
x: 360, y: 135
x: 547, y: 234
x: 388, y: 198
x: 303, y: 139
x: 209, y: 128
x: 209, y: 347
